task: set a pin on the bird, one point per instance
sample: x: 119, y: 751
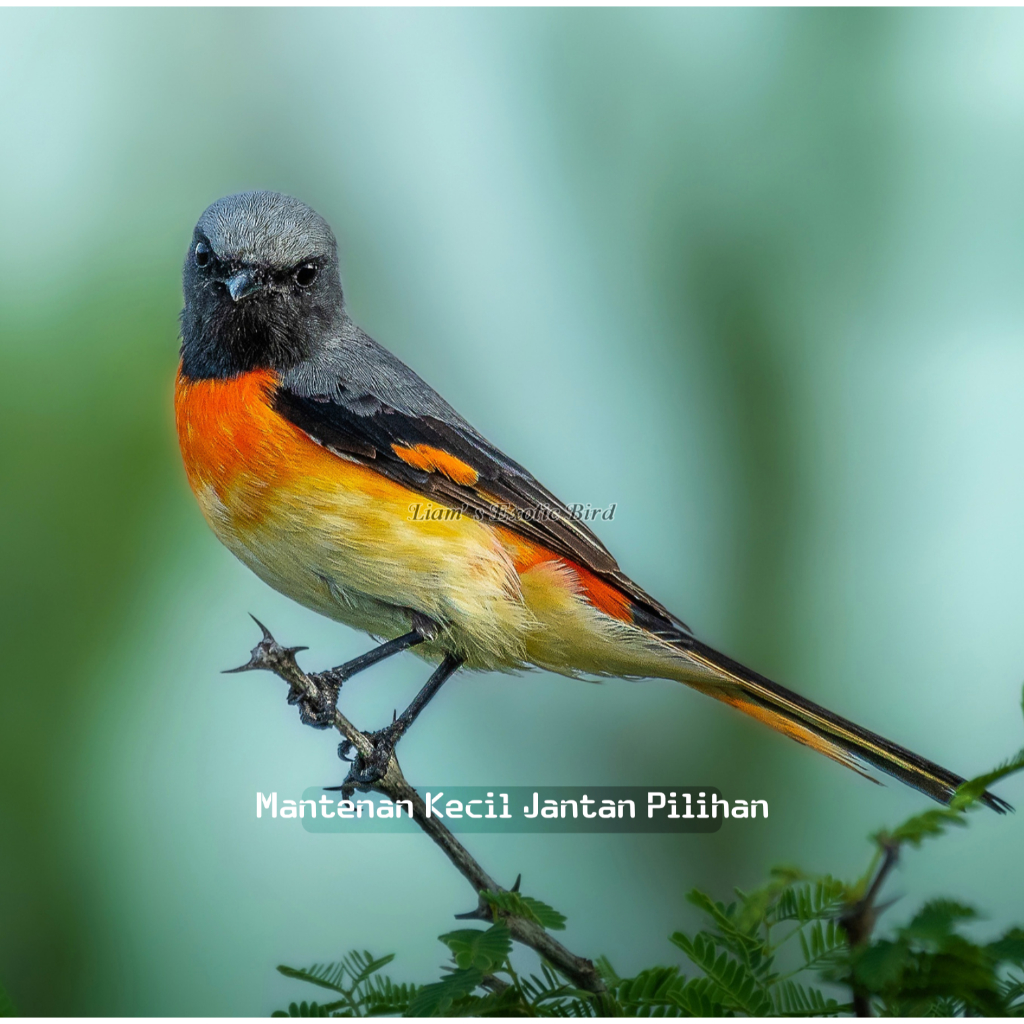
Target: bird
x: 313, y: 452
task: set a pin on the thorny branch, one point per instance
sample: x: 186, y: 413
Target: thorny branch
x: 859, y: 920
x: 270, y: 655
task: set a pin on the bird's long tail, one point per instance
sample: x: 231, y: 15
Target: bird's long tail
x: 809, y: 723
x: 589, y: 626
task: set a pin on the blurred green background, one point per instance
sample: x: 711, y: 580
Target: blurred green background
x: 754, y: 275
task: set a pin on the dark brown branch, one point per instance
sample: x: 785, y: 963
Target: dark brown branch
x: 859, y: 920
x: 270, y: 655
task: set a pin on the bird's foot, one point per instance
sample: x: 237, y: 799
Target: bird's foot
x: 370, y: 768
x: 318, y: 713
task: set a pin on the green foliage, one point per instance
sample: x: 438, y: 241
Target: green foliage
x: 484, y: 950
x: 930, y: 968
x: 766, y: 954
x: 513, y: 904
x: 479, y: 981
x: 925, y: 968
x: 735, y: 956
x: 303, y: 1009
x: 355, y: 978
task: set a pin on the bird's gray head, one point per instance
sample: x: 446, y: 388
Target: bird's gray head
x: 261, y: 286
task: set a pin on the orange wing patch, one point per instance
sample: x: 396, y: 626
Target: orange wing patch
x: 603, y: 596
x: 434, y: 460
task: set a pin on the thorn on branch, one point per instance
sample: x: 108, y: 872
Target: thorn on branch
x: 481, y: 913
x: 859, y: 919
x: 316, y: 703
x: 269, y: 654
x: 483, y: 910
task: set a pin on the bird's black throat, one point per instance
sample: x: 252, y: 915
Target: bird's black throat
x: 273, y: 330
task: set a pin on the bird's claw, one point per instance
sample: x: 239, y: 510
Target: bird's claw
x: 370, y: 768
x: 367, y: 769
x: 317, y: 713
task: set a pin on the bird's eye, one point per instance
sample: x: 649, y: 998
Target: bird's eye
x: 306, y: 274
x: 203, y: 254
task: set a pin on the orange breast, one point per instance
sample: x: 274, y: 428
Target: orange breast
x: 227, y: 426
x: 234, y: 443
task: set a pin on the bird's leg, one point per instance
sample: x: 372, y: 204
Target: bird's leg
x: 329, y: 682
x: 366, y: 770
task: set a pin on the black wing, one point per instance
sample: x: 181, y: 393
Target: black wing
x: 359, y: 401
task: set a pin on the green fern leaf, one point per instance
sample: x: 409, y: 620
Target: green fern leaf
x: 936, y: 920
x: 547, y: 988
x: 794, y: 1000
x: 656, y: 987
x: 474, y: 947
x: 815, y: 900
x: 313, y: 975
x: 881, y: 964
x: 303, y: 1009
x: 342, y: 976
x: 382, y: 996
x: 516, y: 905
x: 969, y: 793
x: 436, y: 1000
x: 916, y: 829
x: 506, y: 1003
x: 699, y: 998
x: 739, y: 988
x: 1009, y: 948
x: 607, y: 972
x: 823, y: 944
x: 1011, y: 989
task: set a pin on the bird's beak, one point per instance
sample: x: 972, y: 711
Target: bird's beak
x: 241, y: 284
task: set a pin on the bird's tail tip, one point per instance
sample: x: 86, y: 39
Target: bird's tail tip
x: 828, y: 733
x: 997, y: 803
